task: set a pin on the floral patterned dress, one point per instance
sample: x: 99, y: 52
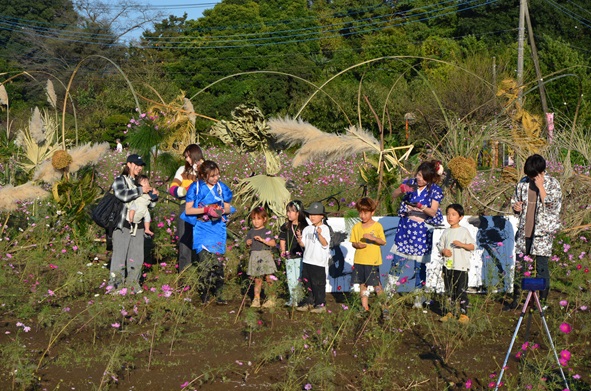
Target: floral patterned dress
x: 414, y: 240
x: 547, y: 218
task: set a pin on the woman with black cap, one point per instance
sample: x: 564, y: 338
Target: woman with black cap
x: 128, y: 250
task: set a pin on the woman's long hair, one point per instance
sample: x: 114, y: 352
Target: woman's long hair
x: 194, y: 152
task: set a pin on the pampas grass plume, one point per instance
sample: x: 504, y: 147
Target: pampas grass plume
x: 3, y: 96
x: 36, y: 126
x: 87, y: 154
x: 10, y: 195
x: 51, y: 96
x: 81, y: 156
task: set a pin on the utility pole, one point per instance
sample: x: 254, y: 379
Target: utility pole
x: 520, y: 45
x: 534, y: 55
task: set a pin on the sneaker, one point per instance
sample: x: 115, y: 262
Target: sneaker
x: 303, y: 308
x: 464, y: 319
x: 256, y: 303
x: 319, y: 309
x: 419, y: 300
x: 221, y: 302
x: 385, y: 314
x: 449, y: 316
x: 270, y: 303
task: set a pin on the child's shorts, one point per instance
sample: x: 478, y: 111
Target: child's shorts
x: 261, y: 263
x: 366, y: 274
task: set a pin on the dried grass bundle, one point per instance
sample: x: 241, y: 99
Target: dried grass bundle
x: 463, y: 170
x: 51, y: 96
x: 188, y: 106
x: 10, y: 195
x: 3, y: 96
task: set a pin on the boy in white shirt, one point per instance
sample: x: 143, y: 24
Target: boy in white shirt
x: 455, y: 246
x: 315, y: 240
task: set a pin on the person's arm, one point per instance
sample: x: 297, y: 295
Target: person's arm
x: 267, y: 240
x: 402, y: 189
x: 176, y: 189
x: 124, y: 193
x: 323, y: 241
x: 374, y: 239
x: 516, y: 201
x: 465, y: 246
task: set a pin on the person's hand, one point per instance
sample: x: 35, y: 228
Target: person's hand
x: 249, y: 242
x: 361, y: 245
x: 369, y: 236
x: 258, y: 238
x: 539, y: 181
x: 446, y: 252
x: 457, y: 243
x: 518, y: 206
x: 155, y: 191
x: 404, y: 188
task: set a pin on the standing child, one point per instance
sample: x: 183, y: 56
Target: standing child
x: 366, y: 237
x: 208, y: 200
x: 119, y: 147
x: 291, y: 250
x: 261, y: 263
x: 455, y: 246
x: 138, y: 208
x: 315, y: 240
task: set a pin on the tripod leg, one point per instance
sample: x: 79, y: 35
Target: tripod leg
x: 523, y: 310
x: 539, y: 305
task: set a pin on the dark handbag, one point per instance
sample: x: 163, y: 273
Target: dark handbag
x: 107, y: 212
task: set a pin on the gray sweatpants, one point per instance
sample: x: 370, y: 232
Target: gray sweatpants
x: 127, y: 258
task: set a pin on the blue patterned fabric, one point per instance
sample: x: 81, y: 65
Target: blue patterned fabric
x: 412, y: 238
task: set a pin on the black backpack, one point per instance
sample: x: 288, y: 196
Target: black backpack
x: 107, y: 212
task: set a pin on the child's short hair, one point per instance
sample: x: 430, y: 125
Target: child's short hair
x: 366, y: 204
x: 140, y: 178
x: 206, y: 168
x: 534, y: 165
x: 259, y: 211
x: 457, y: 207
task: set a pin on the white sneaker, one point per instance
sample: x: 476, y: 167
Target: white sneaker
x: 419, y: 300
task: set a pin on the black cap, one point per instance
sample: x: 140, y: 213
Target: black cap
x: 315, y: 208
x: 136, y: 159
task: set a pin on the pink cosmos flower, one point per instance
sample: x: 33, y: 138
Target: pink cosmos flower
x: 185, y: 384
x: 468, y: 384
x: 565, y: 328
x: 563, y: 303
x: 565, y: 355
x: 115, y: 325
x: 272, y: 277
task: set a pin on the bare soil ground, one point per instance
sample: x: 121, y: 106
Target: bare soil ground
x: 217, y: 353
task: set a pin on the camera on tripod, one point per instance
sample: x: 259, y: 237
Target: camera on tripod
x: 533, y: 284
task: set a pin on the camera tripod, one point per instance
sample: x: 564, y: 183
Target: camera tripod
x: 534, y: 294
